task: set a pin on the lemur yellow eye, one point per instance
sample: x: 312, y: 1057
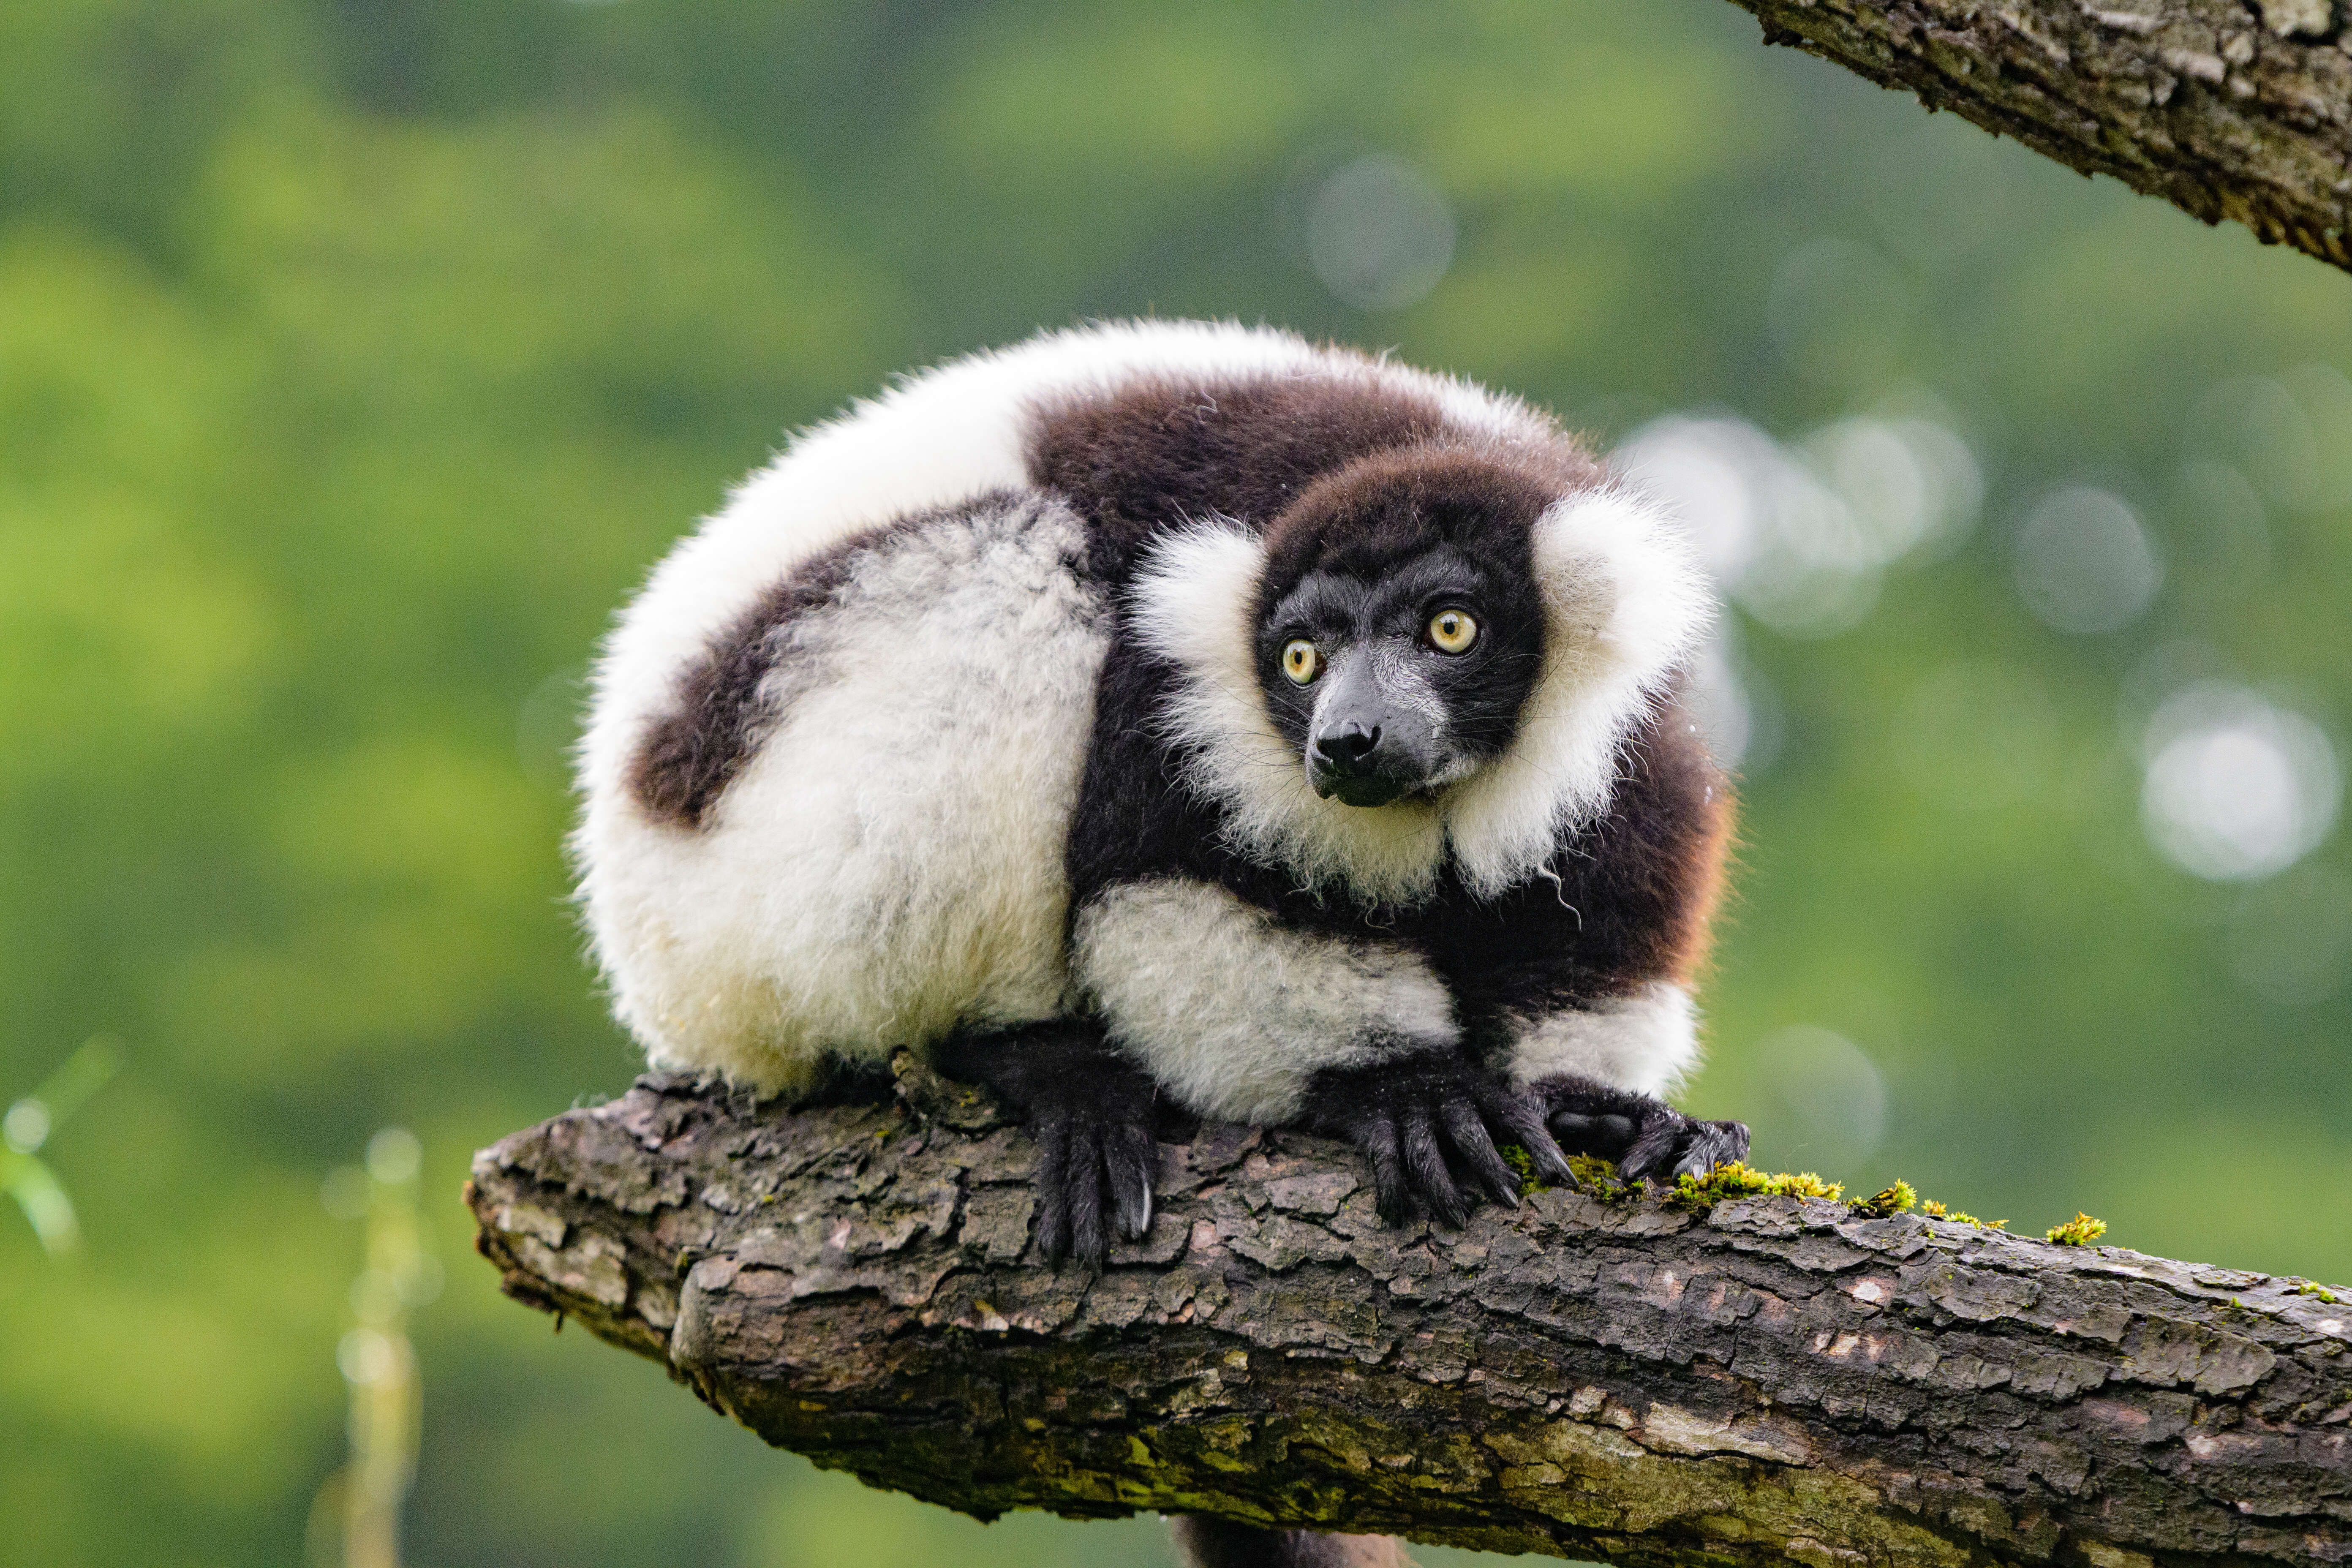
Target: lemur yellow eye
x: 1450, y: 631
x: 1301, y: 660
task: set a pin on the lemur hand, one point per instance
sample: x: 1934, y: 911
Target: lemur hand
x: 1644, y: 1135
x: 1092, y: 1113
x: 1408, y: 1117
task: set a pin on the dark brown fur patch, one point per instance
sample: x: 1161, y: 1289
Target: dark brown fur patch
x: 1161, y: 452
x: 1646, y: 878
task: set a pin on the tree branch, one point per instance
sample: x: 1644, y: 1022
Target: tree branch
x: 2227, y: 109
x: 1781, y: 1380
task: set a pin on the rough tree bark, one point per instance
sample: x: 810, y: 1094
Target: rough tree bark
x: 1778, y: 1381
x: 2228, y: 109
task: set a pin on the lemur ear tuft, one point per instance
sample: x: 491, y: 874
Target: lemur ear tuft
x: 1626, y: 604
x: 1195, y: 600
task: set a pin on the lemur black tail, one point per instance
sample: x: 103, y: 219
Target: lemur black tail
x: 1208, y: 1543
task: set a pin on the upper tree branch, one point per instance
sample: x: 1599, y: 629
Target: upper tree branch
x: 1777, y: 1382
x: 2228, y: 109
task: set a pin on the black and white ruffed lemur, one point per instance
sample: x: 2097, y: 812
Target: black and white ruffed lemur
x: 1168, y: 714
x: 1172, y: 716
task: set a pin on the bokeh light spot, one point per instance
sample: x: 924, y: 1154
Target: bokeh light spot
x: 2084, y: 564
x: 1379, y: 234
x: 2236, y: 789
x: 26, y: 1126
x: 1801, y: 536
x: 394, y: 1155
x: 1831, y: 1096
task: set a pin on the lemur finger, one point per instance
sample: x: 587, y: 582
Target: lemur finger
x: 1520, y: 1115
x: 1089, y: 1240
x: 1713, y: 1143
x: 1052, y: 1185
x: 1426, y: 1161
x: 1131, y: 1158
x: 1377, y: 1137
x: 1467, y: 1130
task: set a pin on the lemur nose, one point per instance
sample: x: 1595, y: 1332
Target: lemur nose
x: 1347, y: 745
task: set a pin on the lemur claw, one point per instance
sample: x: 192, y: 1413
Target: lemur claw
x: 1645, y: 1136
x: 1409, y: 1117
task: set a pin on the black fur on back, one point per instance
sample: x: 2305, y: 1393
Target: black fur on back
x: 1623, y: 901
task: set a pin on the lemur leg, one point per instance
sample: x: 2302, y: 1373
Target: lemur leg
x: 1092, y: 1113
x: 1643, y: 1134
x: 1425, y: 1122
x: 1205, y: 1541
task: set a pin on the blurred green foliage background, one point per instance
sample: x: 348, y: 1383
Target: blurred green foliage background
x: 358, y: 356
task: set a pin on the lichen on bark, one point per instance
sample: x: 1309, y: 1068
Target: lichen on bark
x: 1773, y: 1380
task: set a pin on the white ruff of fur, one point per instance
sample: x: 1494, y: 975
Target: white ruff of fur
x: 1233, y: 1011
x: 1644, y: 1042
x: 1623, y: 606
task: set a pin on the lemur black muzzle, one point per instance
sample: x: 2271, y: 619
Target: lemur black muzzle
x: 1366, y: 749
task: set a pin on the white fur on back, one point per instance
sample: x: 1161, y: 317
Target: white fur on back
x: 889, y: 860
x: 1232, y: 1012
x: 1644, y: 1042
x: 1624, y: 603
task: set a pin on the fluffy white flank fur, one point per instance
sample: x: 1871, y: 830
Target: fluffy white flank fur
x: 1231, y: 1012
x: 1646, y: 1041
x: 889, y: 861
x: 1624, y: 604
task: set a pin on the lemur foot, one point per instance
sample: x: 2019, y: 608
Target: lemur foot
x: 1408, y: 1117
x: 1092, y: 1113
x: 1644, y: 1135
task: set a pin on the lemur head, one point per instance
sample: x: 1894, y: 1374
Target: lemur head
x: 1433, y: 650
x: 1400, y: 628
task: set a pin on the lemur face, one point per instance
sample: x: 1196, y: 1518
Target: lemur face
x: 1400, y: 631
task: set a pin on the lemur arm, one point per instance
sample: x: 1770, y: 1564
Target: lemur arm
x: 1245, y: 1016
